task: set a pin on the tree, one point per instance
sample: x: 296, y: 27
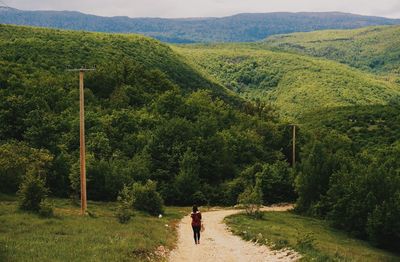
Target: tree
x: 252, y: 198
x: 32, y: 191
x: 187, y: 181
x: 125, y: 205
x: 325, y: 154
x: 16, y: 159
x: 146, y: 198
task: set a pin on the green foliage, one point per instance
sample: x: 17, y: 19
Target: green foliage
x: 370, y: 189
x: 372, y: 48
x: 45, y: 209
x: 252, y: 199
x: 33, y: 192
x: 188, y: 181
x: 146, y: 198
x: 296, y: 84
x: 16, y: 160
x: 145, y: 107
x: 276, y: 181
x: 199, y: 198
x: 322, y: 156
x: 357, y: 192
x: 367, y: 126
x: 314, y: 239
x: 124, y: 211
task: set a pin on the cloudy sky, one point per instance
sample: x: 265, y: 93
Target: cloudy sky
x: 201, y: 8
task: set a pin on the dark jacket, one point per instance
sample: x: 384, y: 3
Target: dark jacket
x: 196, y: 219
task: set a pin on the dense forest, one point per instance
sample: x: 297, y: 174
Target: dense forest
x: 149, y: 115
x: 237, y: 28
x: 207, y: 123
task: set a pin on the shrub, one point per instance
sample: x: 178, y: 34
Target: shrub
x: 199, y: 198
x: 45, y: 209
x: 16, y: 159
x: 32, y: 192
x: 231, y: 191
x: 146, y: 198
x: 251, y: 199
x: 125, y: 202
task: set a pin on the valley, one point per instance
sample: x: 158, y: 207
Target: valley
x: 207, y: 123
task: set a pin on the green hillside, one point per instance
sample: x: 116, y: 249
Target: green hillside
x: 55, y: 51
x: 374, y: 49
x: 367, y: 126
x: 295, y: 84
x: 149, y: 115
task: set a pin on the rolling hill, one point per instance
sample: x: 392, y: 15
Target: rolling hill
x: 149, y: 115
x: 375, y: 49
x: 237, y: 28
x: 296, y: 84
x: 372, y: 126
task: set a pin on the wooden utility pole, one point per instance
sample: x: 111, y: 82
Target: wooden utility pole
x: 82, y: 137
x: 294, y: 146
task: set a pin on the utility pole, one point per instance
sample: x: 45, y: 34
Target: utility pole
x: 82, y: 137
x: 294, y: 146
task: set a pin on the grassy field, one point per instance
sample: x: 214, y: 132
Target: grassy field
x: 313, y: 238
x: 70, y: 237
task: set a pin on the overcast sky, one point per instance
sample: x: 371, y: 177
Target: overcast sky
x: 201, y: 8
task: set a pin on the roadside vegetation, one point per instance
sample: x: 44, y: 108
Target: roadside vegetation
x: 314, y: 239
x: 68, y: 236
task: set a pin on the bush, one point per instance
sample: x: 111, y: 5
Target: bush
x: 146, y: 198
x: 45, y: 209
x: 199, y: 198
x: 251, y: 199
x: 32, y: 192
x: 125, y: 202
x: 16, y: 159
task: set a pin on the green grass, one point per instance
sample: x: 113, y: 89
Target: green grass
x: 313, y: 238
x: 71, y: 237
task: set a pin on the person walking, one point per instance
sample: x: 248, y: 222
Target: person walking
x: 196, y: 224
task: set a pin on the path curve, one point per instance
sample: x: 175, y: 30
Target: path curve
x: 218, y: 244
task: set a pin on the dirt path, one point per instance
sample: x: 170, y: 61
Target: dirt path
x: 218, y: 244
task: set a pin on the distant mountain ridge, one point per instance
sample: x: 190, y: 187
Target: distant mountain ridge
x: 244, y: 27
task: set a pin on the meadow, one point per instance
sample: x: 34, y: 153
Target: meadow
x: 68, y: 236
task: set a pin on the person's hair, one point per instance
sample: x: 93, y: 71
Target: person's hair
x: 195, y: 209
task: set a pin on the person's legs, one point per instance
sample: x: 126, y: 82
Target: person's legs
x: 195, y: 234
x: 198, y: 234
